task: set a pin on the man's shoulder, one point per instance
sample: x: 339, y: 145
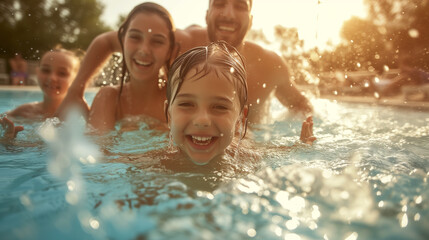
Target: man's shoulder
x: 190, y: 37
x: 191, y: 32
x: 256, y: 51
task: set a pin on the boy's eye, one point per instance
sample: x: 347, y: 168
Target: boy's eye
x: 185, y: 104
x: 221, y: 107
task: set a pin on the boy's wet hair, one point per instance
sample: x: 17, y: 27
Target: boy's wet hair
x: 146, y: 7
x: 219, y: 57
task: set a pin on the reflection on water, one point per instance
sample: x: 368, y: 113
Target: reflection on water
x: 365, y: 178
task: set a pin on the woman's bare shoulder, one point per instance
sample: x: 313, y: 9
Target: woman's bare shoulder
x: 107, y: 92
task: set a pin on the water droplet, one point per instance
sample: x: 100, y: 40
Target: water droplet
x: 292, y: 224
x: 419, y: 200
x: 404, y: 220
x: 376, y: 95
x: 257, y: 101
x: 352, y: 236
x: 71, y: 185
x: 264, y: 85
x: 232, y: 70
x: 149, y: 30
x: 94, y: 223
x: 251, y: 232
x: 386, y: 68
x: 417, y: 217
x: 414, y: 33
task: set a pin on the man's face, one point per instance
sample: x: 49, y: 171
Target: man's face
x: 228, y: 20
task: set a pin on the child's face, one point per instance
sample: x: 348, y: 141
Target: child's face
x: 204, y: 116
x: 146, y: 46
x: 57, y: 70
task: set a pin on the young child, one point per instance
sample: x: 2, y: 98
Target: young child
x: 206, y: 106
x: 57, y: 70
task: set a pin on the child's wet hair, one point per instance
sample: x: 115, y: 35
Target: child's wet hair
x: 218, y: 57
x: 77, y: 54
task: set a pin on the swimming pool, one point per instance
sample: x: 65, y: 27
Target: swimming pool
x: 365, y: 178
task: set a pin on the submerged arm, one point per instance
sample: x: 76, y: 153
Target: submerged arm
x: 97, y: 54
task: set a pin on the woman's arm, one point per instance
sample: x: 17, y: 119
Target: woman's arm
x: 102, y: 116
x: 98, y: 52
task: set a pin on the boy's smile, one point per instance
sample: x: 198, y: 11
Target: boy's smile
x: 204, y: 115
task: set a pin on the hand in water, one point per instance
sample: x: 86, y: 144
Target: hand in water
x: 9, y: 129
x: 74, y: 101
x: 307, y: 131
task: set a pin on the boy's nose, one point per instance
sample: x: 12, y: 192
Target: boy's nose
x: 202, y: 119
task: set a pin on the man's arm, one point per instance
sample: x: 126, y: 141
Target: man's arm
x: 98, y: 52
x: 286, y: 91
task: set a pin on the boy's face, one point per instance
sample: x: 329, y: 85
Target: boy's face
x: 228, y: 20
x: 203, y: 117
x: 57, y: 70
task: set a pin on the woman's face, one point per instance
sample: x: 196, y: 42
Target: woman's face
x: 204, y: 116
x: 56, y: 72
x: 146, y: 46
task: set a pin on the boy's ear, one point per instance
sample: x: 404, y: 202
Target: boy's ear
x: 167, y: 114
x: 245, y: 113
x: 243, y: 120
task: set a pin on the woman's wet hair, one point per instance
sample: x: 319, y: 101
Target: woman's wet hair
x: 147, y: 7
x: 218, y: 57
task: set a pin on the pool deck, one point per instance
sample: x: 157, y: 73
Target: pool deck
x: 395, y: 101
x: 34, y: 88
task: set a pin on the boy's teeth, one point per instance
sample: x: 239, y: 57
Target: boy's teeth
x: 201, y: 140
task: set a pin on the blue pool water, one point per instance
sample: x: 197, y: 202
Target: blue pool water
x: 365, y: 178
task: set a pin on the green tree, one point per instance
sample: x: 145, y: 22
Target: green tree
x: 35, y: 26
x: 291, y: 49
x: 404, y: 26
